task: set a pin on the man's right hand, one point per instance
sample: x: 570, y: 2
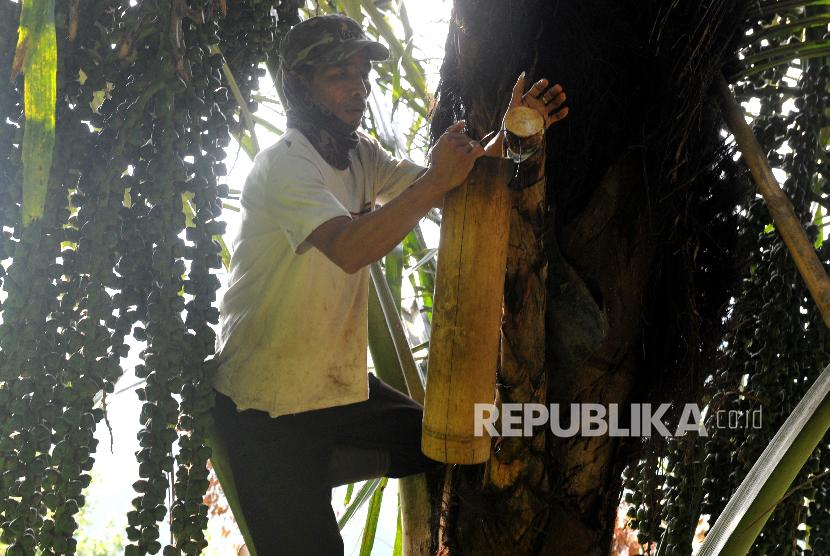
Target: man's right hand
x: 452, y: 157
x: 352, y: 244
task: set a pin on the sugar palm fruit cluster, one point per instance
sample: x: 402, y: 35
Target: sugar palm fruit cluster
x: 789, y: 354
x: 177, y: 123
x: 162, y: 365
x: 27, y: 345
x: 774, y: 350
x: 247, y: 33
x: 776, y: 343
x: 683, y: 493
x: 150, y: 272
x: 643, y: 494
x: 288, y: 15
x: 46, y: 424
x: 203, y: 251
x: 142, y: 123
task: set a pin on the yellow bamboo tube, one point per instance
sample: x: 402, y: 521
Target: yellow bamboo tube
x: 467, y: 311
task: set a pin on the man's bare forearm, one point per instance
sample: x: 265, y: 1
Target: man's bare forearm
x: 366, y: 239
x: 352, y: 244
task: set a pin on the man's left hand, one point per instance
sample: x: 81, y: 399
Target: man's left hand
x: 545, y: 100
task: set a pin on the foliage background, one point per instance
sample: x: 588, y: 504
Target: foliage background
x: 773, y: 343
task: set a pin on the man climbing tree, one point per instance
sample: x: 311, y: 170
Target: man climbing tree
x: 295, y: 405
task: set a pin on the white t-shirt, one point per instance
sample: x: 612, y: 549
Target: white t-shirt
x: 293, y: 324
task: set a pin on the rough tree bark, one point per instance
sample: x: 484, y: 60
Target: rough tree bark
x: 610, y: 242
x: 573, y: 298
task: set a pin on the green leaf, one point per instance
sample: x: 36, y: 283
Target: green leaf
x: 225, y: 253
x: 352, y: 9
x: 37, y: 57
x: 248, y: 145
x: 413, y: 70
x: 803, y: 56
x: 774, y: 6
x: 803, y: 50
x: 391, y: 313
x: 245, y: 142
x: 393, y: 269
x: 349, y: 491
x: 766, y: 484
x: 189, y: 213
x: 268, y: 125
x: 187, y: 208
x: 360, y: 498
x: 818, y: 220
x: 247, y: 117
x: 407, y: 26
x: 220, y: 461
x: 382, y: 346
x: 820, y: 20
x: 424, y: 269
x: 372, y: 520
x: 413, y: 132
x: 397, y: 549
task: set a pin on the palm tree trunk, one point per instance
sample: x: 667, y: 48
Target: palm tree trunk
x: 571, y: 320
x: 610, y: 242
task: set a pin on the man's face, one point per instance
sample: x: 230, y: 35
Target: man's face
x: 344, y: 87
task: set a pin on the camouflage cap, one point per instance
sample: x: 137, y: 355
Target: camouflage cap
x: 326, y: 39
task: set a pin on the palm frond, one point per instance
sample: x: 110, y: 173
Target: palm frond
x: 371, y: 526
x: 365, y: 493
x: 794, y: 32
x: 247, y: 117
x: 767, y: 482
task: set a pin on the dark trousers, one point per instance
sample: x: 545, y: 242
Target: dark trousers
x: 285, y: 467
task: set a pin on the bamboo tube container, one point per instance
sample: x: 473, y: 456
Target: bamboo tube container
x: 466, y: 318
x: 525, y: 133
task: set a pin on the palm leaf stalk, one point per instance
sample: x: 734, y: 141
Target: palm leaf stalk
x: 247, y: 117
x: 371, y: 527
x: 36, y: 56
x: 382, y: 346
x: 779, y: 205
x: 767, y: 482
x: 407, y: 365
x: 395, y: 364
x: 363, y: 494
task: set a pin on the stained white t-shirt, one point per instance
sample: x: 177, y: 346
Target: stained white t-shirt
x: 293, y: 324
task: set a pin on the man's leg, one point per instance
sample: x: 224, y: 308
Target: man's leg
x: 279, y: 470
x: 351, y: 464
x: 388, y: 420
